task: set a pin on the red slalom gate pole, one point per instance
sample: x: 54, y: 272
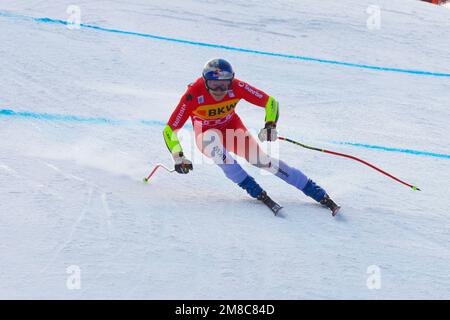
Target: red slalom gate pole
x: 159, y: 165
x: 350, y: 157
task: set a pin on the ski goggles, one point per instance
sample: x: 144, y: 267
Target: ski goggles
x: 218, y: 85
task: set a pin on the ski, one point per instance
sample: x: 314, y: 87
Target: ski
x: 272, y: 205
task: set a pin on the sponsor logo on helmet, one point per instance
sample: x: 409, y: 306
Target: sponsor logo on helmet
x: 222, y: 75
x: 213, y: 63
x: 218, y: 69
x: 200, y: 99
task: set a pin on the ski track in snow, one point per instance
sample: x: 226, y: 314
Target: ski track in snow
x: 71, y: 191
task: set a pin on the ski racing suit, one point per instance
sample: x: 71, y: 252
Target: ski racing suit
x: 219, y: 130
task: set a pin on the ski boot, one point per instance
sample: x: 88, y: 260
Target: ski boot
x: 254, y: 190
x: 316, y: 192
x: 330, y: 204
x: 275, y: 207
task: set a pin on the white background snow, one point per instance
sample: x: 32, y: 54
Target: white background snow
x: 71, y: 192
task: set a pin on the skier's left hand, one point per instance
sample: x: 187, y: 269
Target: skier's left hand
x: 269, y: 132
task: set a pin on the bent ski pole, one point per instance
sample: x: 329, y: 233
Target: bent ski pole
x: 350, y: 157
x: 159, y: 165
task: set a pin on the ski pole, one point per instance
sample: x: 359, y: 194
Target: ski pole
x: 159, y: 165
x: 351, y: 157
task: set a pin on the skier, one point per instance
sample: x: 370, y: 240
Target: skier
x: 210, y: 102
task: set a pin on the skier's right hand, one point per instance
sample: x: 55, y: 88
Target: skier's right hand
x: 182, y: 164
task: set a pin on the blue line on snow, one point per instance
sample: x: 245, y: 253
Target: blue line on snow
x: 73, y: 118
x: 224, y: 47
x: 415, y: 152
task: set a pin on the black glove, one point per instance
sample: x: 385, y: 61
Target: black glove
x: 182, y: 165
x: 269, y: 132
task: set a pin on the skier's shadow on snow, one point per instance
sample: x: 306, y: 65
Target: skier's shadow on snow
x: 341, y: 217
x: 289, y: 211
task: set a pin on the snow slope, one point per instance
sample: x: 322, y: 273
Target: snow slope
x: 88, y: 108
